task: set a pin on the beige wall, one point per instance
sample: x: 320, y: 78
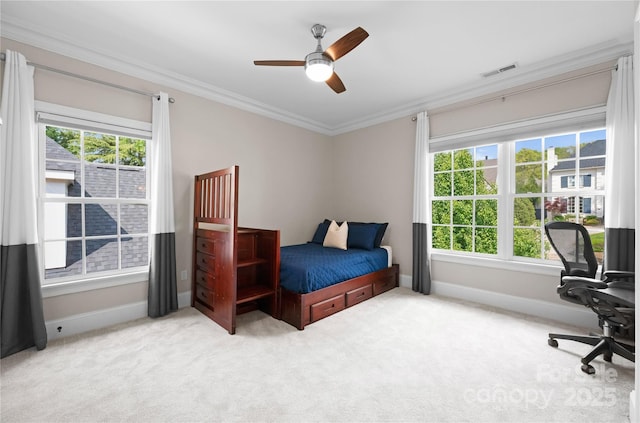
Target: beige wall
x: 374, y: 173
x: 291, y: 178
x: 373, y: 181
x: 285, y: 171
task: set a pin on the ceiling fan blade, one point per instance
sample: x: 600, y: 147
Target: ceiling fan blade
x: 347, y: 43
x: 336, y: 83
x: 278, y: 62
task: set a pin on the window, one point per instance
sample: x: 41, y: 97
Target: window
x: 94, y: 201
x: 473, y: 210
x: 465, y: 205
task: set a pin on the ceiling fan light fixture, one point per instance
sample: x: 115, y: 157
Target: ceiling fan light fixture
x: 318, y: 67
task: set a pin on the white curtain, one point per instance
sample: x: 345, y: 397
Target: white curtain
x: 620, y: 183
x: 163, y: 296
x: 21, y: 300
x: 421, y: 277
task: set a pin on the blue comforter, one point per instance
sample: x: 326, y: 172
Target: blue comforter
x: 309, y: 267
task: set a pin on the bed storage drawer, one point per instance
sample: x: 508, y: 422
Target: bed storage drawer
x: 358, y: 295
x: 204, y: 296
x: 327, y: 307
x: 384, y: 284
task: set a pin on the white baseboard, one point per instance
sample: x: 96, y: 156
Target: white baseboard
x: 84, y: 322
x: 577, y: 316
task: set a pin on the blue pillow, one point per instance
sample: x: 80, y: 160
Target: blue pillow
x: 382, y: 227
x: 361, y: 235
x: 321, y: 232
x: 380, y: 230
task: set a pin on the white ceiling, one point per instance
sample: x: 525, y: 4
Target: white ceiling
x: 418, y: 54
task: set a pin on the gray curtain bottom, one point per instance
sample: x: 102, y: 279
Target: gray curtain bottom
x: 163, y: 289
x: 421, y: 279
x: 21, y: 300
x: 619, y: 249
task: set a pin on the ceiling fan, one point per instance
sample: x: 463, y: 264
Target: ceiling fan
x: 319, y: 64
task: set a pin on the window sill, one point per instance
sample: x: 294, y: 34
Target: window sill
x: 72, y: 287
x: 550, y: 269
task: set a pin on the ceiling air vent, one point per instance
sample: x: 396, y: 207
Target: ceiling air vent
x: 501, y: 70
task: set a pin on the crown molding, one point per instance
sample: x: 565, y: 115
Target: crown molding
x: 22, y: 31
x: 552, y: 67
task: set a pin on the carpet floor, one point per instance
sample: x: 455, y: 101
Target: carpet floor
x: 399, y: 357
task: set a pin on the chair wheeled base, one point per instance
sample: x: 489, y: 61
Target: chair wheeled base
x: 604, y: 344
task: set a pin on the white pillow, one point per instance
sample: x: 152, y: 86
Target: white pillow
x: 336, y: 236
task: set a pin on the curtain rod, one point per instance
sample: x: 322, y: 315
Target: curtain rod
x: 3, y: 58
x: 524, y: 90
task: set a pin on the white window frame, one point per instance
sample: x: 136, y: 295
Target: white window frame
x: 58, y: 115
x: 506, y: 135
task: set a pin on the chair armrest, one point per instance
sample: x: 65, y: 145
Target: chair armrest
x: 609, y: 275
x: 579, y: 281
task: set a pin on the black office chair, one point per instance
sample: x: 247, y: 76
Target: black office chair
x: 612, y: 298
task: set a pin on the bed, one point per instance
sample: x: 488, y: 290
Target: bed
x: 317, y: 281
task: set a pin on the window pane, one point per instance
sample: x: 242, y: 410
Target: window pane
x: 441, y: 212
x: 100, y: 180
x: 462, y: 239
x: 529, y: 151
x: 524, y: 211
x: 102, y: 255
x: 62, y: 144
x: 135, y: 252
x: 463, y: 159
x: 133, y: 152
x: 463, y: 182
x: 593, y: 143
x: 528, y: 178
x: 486, y: 181
x: 101, y: 219
x: 487, y: 240
x: 133, y: 219
x: 463, y: 212
x: 442, y: 184
x: 132, y: 183
x: 99, y: 148
x: 487, y: 212
x: 441, y: 237
x: 442, y: 161
x: 526, y: 243
x: 71, y: 264
x: 562, y: 146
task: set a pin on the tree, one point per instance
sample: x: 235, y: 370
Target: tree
x: 100, y: 148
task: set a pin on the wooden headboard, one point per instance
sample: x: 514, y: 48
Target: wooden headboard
x: 216, y: 196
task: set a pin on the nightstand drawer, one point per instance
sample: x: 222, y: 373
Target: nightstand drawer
x: 205, y: 262
x: 205, y: 279
x: 205, y: 245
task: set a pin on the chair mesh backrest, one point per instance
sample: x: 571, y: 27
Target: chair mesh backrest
x: 572, y: 243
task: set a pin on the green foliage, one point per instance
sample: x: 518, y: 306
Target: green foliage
x: 67, y: 138
x: 591, y: 220
x: 441, y: 212
x: 524, y: 212
x: 526, y: 242
x: 565, y: 152
x: 487, y: 240
x: 100, y: 148
x: 441, y: 237
x: 597, y: 240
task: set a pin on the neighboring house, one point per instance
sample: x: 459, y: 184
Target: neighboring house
x: 63, y: 256
x: 562, y: 177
